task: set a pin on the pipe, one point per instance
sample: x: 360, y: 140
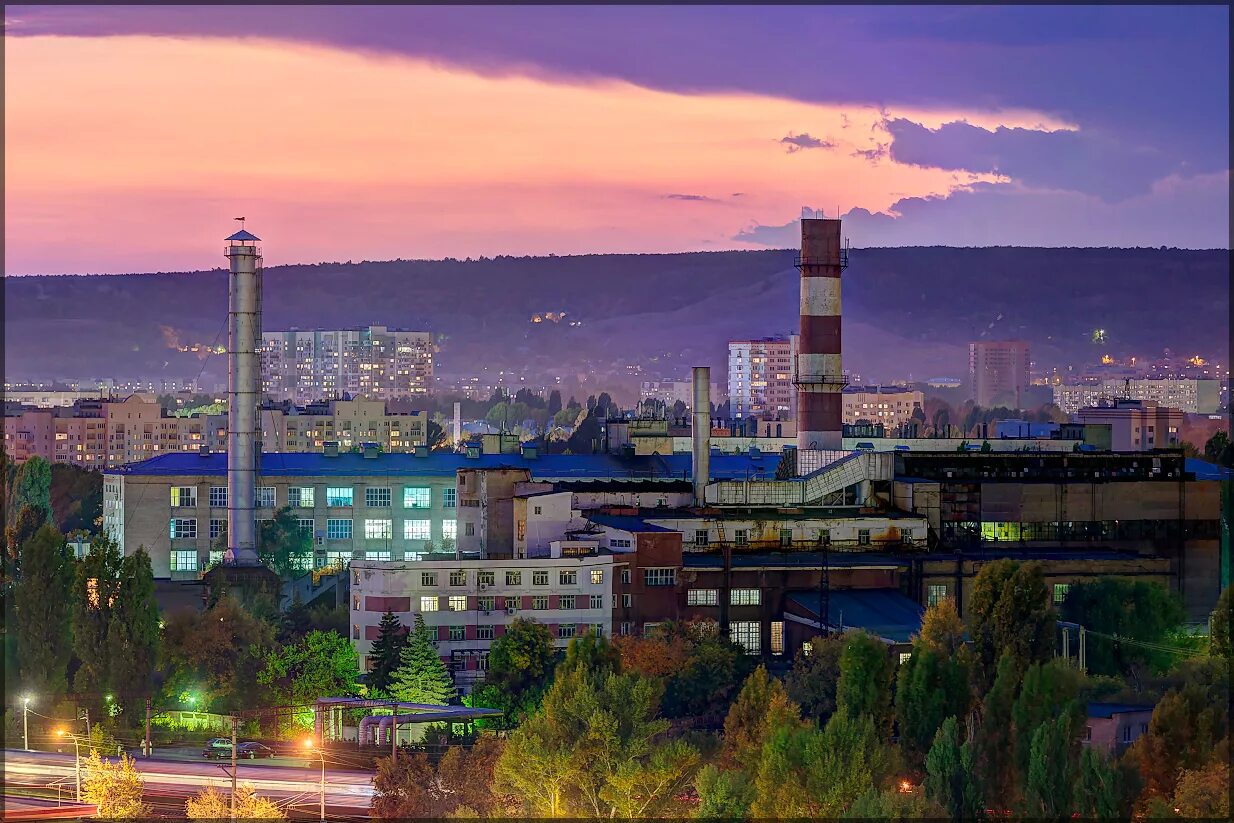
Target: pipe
x: 243, y: 338
x: 700, y: 433
x: 819, y: 370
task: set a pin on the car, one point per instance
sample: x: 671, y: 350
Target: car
x: 254, y: 750
x: 249, y: 750
x: 217, y: 747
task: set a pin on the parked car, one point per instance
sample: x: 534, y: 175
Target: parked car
x: 217, y: 747
x: 254, y: 750
x: 249, y: 750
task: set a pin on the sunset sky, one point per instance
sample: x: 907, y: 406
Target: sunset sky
x: 134, y: 134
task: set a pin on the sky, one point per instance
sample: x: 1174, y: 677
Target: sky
x: 133, y: 135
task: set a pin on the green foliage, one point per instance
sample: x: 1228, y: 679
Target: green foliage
x: 1048, y: 691
x: 115, y: 788
x: 94, y: 592
x: 76, y: 497
x: 322, y: 664
x: 386, y: 651
x: 951, y: 779
x: 41, y: 611
x: 1184, y: 732
x: 1219, y: 450
x: 520, y: 662
x: 1219, y: 626
x: 762, y: 705
x: 1009, y: 611
x: 283, y: 547
x: 32, y: 486
x: 591, y: 652
x: 215, y: 656
x: 708, y: 680
x: 421, y: 677
x: 1101, y: 790
x: 723, y: 794
x: 864, y: 687
x: 1139, y: 610
x: 133, y: 633
x: 1049, y: 786
x: 931, y: 686
x: 811, y: 682
x: 890, y: 804
x: 995, y: 743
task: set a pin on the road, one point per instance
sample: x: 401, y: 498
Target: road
x: 169, y: 781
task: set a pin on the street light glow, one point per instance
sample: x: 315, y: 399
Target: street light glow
x: 308, y: 743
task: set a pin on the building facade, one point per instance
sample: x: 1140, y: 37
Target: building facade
x: 998, y: 372
x: 889, y: 405
x: 1136, y: 425
x: 374, y: 363
x: 1191, y: 396
x: 760, y: 377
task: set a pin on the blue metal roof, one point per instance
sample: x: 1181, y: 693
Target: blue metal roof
x: 884, y: 612
x: 1108, y: 710
x: 1204, y: 470
x: 243, y: 235
x: 445, y: 464
x: 626, y: 522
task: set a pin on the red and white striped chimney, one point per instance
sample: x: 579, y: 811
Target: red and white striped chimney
x: 820, y: 374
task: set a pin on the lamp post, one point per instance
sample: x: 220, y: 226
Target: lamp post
x: 321, y: 754
x: 25, y: 721
x: 76, y: 738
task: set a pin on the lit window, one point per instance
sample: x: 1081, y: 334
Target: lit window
x: 935, y: 592
x: 416, y: 529
x: 539, y: 578
x: 428, y: 579
x: 449, y: 529
x: 597, y: 576
x: 383, y: 556
x: 484, y: 632
x: 514, y: 578
x: 428, y: 603
x: 184, y: 561
x: 703, y: 597
x: 377, y: 498
x: 217, y: 527
x: 183, y: 527
x: 746, y: 634
x: 745, y: 597
x: 777, y: 637
x: 448, y: 498
x: 660, y: 577
x: 597, y: 601
x: 339, y: 529
x: 338, y: 497
x: 487, y: 603
x: 1060, y: 591
x: 378, y: 529
x: 218, y: 497
x: 185, y: 496
x: 567, y: 578
x: 458, y: 578
x: 300, y: 497
x: 416, y: 497
x: 458, y: 603
x: 265, y: 497
x: 539, y: 603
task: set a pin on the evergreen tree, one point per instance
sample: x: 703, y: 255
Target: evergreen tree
x: 865, y: 679
x: 995, y: 754
x: 386, y: 651
x: 1009, y: 611
x: 554, y: 403
x: 1049, y: 786
x: 421, y: 676
x: 94, y: 595
x: 930, y: 687
x: 42, y: 624
x: 133, y: 633
x: 1100, y: 790
x: 950, y: 778
x: 1048, y: 692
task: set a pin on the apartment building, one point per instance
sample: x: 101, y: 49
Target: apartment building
x: 998, y: 372
x: 1136, y: 425
x: 1190, y: 396
x: 889, y: 405
x: 374, y: 363
x: 760, y: 377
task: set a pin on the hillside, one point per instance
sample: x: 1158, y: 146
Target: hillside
x: 907, y: 310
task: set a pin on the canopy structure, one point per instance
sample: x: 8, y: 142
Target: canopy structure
x: 376, y: 729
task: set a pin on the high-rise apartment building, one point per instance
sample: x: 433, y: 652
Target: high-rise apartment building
x: 760, y: 377
x: 374, y: 363
x: 998, y: 372
x: 1188, y: 395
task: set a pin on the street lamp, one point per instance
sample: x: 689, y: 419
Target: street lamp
x: 25, y: 720
x: 76, y: 738
x: 308, y: 744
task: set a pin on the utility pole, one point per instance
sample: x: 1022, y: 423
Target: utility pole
x: 149, y: 748
x: 86, y: 715
x: 394, y: 734
x: 235, y: 729
x: 25, y: 721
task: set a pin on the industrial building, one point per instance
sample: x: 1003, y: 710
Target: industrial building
x: 373, y: 363
x: 1136, y: 425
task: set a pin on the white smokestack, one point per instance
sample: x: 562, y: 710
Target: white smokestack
x: 458, y: 424
x: 243, y: 376
x: 700, y: 432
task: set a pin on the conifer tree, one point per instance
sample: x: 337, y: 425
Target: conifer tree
x: 41, y: 622
x: 421, y: 676
x: 133, y: 634
x: 391, y: 638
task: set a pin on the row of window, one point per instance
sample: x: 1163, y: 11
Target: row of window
x: 336, y: 528
x: 304, y: 497
x: 540, y: 577
x: 936, y: 592
x: 736, y: 597
x: 1016, y: 532
x: 741, y: 537
x: 539, y: 603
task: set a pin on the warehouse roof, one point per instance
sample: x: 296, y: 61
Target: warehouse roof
x: 883, y: 612
x: 626, y: 522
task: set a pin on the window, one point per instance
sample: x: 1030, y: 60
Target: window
x: 566, y: 601
x: 703, y: 597
x: 905, y: 657
x: 624, y: 628
x: 539, y: 603
x: 539, y: 578
x: 416, y: 497
x: 484, y: 632
x: 597, y: 629
x: 741, y: 537
x: 487, y: 603
x: 745, y: 634
x: 305, y: 527
x: 383, y: 556
x: 1060, y: 591
x: 597, y: 601
x: 379, y: 529
x: 486, y: 578
x: 218, y: 497
x: 217, y: 527
x: 448, y: 498
x: 745, y: 597
x: 300, y: 497
x: 620, y: 543
x: 863, y: 537
x: 566, y: 630
x: 625, y: 576
x: 458, y: 603
x: 185, y: 496
x: 537, y: 510
x: 338, y: 497
x: 935, y: 592
x: 512, y: 605
x: 458, y: 578
x: 428, y: 579
x: 338, y: 529
x: 567, y: 578
x: 184, y: 561
x: 660, y: 577
x: 416, y: 529
x: 377, y: 498
x: 428, y: 603
x: 786, y: 538
x: 458, y: 633
x: 215, y: 558
x: 355, y: 631
x: 265, y: 497
x: 777, y: 637
x: 449, y: 529
x: 627, y: 600
x: 1088, y: 732
x: 700, y: 537
x: 183, y: 527
x: 514, y: 578
x: 469, y: 529
x: 1126, y: 734
x: 597, y: 576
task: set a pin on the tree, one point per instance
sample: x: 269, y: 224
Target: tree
x: 1139, y: 610
x: 1100, y: 788
x: 386, y: 651
x: 215, y: 655
x: 1219, y: 625
x: 133, y: 632
x: 421, y: 677
x: 811, y: 682
x: 1204, y: 792
x: 709, y: 679
x: 212, y: 804
x: 41, y: 611
x: 864, y: 687
x: 115, y: 788
x: 19, y: 532
x: 467, y: 776
x: 1009, y: 610
x: 1049, y: 786
x: 1184, y: 730
x: 586, y: 437
x: 761, y: 706
x: 554, y: 403
x: 891, y: 804
x: 951, y: 779
x: 406, y: 787
x: 282, y: 546
x: 724, y: 794
x: 95, y: 587
x: 931, y: 686
x: 592, y: 652
x: 32, y: 486
x: 434, y: 435
x: 995, y: 751
x: 655, y: 656
x: 942, y: 628
x: 1049, y: 691
x: 1218, y: 449
x: 520, y: 663
x: 319, y: 665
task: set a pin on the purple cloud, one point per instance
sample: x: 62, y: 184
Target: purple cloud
x: 695, y: 198
x: 797, y: 142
